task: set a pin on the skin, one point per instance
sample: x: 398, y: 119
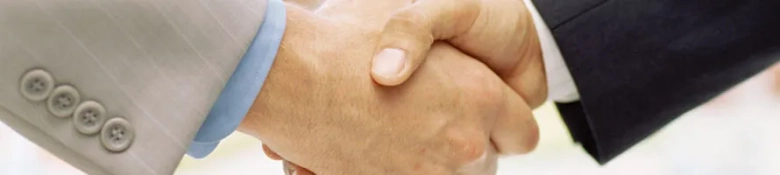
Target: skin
x: 322, y: 111
x: 776, y: 72
x: 499, y: 33
x: 477, y: 27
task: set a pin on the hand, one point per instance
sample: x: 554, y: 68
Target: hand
x: 500, y: 33
x: 776, y: 73
x: 289, y: 167
x: 487, y: 168
x: 484, y: 165
x: 319, y: 110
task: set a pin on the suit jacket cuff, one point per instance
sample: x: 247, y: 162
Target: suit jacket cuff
x: 244, y: 85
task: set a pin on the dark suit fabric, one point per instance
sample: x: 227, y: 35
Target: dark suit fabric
x: 639, y: 64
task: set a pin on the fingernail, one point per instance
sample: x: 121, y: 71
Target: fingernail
x: 389, y: 62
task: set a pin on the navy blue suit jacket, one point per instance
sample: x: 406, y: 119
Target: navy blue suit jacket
x: 639, y: 64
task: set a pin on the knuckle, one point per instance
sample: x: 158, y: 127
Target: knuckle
x: 484, y: 88
x: 411, y: 23
x: 408, y: 30
x: 471, y: 151
x: 467, y: 148
x: 410, y: 18
x: 529, y: 140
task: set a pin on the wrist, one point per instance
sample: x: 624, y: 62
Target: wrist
x: 289, y: 74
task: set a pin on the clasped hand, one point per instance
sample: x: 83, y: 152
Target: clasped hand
x: 422, y: 106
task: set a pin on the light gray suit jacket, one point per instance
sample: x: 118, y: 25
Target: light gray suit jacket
x: 118, y: 86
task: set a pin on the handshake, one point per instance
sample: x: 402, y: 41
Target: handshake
x: 396, y: 87
x: 363, y: 87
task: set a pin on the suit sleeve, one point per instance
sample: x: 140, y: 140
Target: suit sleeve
x: 639, y: 64
x: 244, y: 84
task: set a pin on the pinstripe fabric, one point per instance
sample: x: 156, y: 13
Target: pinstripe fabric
x: 158, y: 63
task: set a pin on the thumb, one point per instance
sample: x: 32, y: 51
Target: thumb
x: 408, y: 36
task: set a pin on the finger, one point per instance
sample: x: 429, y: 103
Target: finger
x: 270, y: 153
x: 473, y: 152
x: 515, y: 130
x: 509, y: 120
x: 409, y: 33
x: 293, y: 169
x: 529, y: 81
x: 777, y: 78
x: 504, y: 37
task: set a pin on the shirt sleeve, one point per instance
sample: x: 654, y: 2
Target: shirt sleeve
x: 559, y: 81
x: 244, y: 85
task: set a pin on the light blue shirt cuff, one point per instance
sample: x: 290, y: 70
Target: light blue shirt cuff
x: 243, y: 86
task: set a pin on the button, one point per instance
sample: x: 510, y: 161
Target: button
x: 89, y: 117
x: 63, y: 101
x: 36, y: 85
x: 117, y: 135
